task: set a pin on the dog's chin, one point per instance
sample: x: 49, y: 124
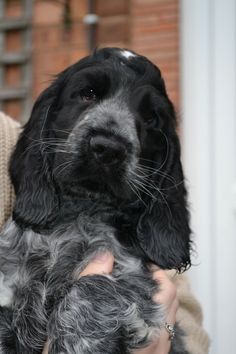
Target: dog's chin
x: 116, y: 187
x: 97, y: 180
x: 114, y: 181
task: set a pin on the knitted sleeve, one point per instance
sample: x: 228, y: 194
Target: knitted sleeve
x: 9, y: 131
x: 189, y: 316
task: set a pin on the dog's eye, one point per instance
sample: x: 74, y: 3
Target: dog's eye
x: 149, y: 121
x: 88, y: 94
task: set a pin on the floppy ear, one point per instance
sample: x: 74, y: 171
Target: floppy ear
x: 36, y: 198
x: 163, y: 229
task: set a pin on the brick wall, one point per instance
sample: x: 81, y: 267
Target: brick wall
x: 13, y: 74
x: 154, y: 32
x: 55, y: 44
x: 149, y: 27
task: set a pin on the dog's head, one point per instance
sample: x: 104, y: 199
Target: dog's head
x: 106, y: 125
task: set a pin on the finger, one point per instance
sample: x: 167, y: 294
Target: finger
x: 167, y: 293
x: 159, y: 275
x: 102, y: 263
x: 153, y: 267
x: 167, y: 290
x: 46, y: 347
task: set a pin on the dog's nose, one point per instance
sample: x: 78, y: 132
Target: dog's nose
x: 107, y: 151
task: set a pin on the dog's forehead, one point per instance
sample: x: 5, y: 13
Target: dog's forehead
x: 123, y: 60
x: 127, y: 54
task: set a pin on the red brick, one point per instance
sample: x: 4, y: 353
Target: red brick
x: 13, y: 41
x: 56, y: 36
x: 152, y: 2
x: 79, y: 9
x: 111, y: 7
x: 13, y: 75
x: 142, y: 7
x: 150, y: 27
x: 113, y: 29
x: 13, y: 8
x: 48, y: 64
x: 13, y: 108
x: 50, y: 12
x: 150, y: 24
x: 119, y: 44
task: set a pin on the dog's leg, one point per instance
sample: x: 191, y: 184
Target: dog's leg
x: 9, y: 343
x: 7, y: 336
x: 23, y: 328
x: 87, y: 320
x: 102, y: 315
x: 106, y: 315
x: 139, y: 288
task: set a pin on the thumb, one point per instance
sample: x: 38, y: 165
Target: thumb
x: 102, y: 263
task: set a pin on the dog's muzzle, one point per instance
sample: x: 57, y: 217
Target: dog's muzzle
x: 107, y: 151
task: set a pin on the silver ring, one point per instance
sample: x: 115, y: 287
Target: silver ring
x: 170, y: 329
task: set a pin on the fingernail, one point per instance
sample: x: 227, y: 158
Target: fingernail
x: 101, y: 257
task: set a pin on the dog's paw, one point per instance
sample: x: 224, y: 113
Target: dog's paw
x: 88, y: 318
x: 99, y: 310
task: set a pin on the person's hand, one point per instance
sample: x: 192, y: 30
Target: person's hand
x: 168, y: 298
x: 103, y: 264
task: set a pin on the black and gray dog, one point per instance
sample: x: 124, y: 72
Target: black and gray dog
x: 97, y: 167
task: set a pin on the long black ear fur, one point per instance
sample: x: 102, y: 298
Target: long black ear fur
x: 36, y: 198
x: 163, y: 229
x: 37, y: 201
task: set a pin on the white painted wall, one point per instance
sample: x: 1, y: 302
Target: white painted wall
x: 208, y: 64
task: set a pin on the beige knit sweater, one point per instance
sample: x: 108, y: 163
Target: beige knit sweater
x: 9, y: 130
x: 189, y: 314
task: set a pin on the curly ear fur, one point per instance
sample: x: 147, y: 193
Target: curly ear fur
x: 163, y: 228
x: 36, y: 199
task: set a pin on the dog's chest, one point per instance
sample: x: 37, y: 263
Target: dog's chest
x: 50, y: 258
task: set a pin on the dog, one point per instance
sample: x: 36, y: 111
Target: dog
x: 97, y: 167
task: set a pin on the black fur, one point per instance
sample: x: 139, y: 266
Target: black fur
x: 96, y: 167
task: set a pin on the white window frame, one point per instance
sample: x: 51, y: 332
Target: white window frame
x: 208, y: 91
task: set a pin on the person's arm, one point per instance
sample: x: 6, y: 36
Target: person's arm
x: 103, y: 264
x: 9, y: 131
x: 189, y: 316
x: 167, y: 296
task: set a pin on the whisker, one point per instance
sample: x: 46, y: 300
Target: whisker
x: 167, y: 152
x: 44, y: 121
x: 144, y: 186
x: 60, y: 130
x: 175, y: 186
x: 50, y: 145
x: 63, y: 166
x: 143, y: 180
x: 136, y: 191
x: 162, y: 196
x: 61, y: 151
x: 167, y: 146
x: 142, y: 169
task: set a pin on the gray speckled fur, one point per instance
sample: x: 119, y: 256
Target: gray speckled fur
x: 92, y: 310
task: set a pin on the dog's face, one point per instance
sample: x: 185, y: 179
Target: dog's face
x: 107, y: 125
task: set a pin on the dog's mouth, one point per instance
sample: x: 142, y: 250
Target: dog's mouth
x: 98, y: 161
x: 110, y: 159
x: 104, y: 170
x: 110, y: 176
x: 106, y: 180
